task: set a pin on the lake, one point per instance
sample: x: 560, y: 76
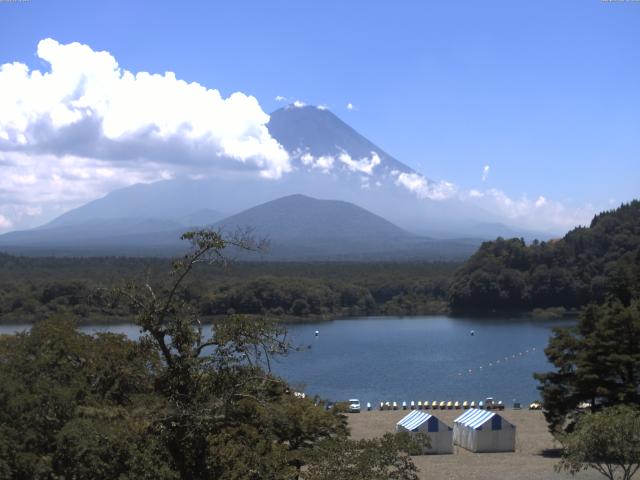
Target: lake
x: 410, y: 358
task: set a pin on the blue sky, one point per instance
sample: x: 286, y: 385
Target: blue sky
x: 546, y: 93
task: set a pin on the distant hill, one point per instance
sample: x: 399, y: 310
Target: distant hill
x: 304, y: 228
x: 581, y: 267
x: 174, y: 202
x: 298, y: 228
x: 299, y: 217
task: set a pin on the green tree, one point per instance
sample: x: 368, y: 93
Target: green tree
x: 606, y: 441
x: 385, y: 458
x: 598, y: 362
x: 53, y: 375
x: 223, y: 417
x: 582, y: 267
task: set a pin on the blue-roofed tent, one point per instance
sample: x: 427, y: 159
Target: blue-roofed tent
x: 440, y: 434
x: 484, y: 431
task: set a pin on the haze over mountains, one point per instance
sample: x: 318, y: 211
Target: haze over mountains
x: 380, y: 204
x: 296, y: 227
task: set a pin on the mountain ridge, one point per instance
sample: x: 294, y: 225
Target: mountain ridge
x: 298, y: 227
x: 329, y: 160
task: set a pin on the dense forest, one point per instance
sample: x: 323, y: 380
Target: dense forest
x: 578, y: 269
x: 504, y: 274
x: 35, y: 288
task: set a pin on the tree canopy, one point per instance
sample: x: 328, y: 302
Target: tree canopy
x: 570, y: 272
x: 597, y: 363
x: 35, y: 288
x: 606, y: 441
x: 183, y: 402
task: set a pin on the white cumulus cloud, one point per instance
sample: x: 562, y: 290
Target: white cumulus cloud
x: 323, y: 163
x: 87, y: 105
x: 326, y: 163
x: 424, y: 188
x: 540, y: 213
x: 485, y: 172
x: 86, y: 121
x: 363, y: 165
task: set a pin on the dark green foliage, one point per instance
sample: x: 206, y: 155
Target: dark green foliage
x: 598, y: 362
x: 183, y: 402
x: 385, y: 458
x: 36, y: 288
x: 606, y: 441
x: 283, y: 296
x: 571, y: 272
x: 53, y: 380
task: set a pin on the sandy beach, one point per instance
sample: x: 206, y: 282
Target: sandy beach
x: 534, y: 458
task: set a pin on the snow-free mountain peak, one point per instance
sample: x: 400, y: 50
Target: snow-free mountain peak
x: 318, y: 132
x: 302, y: 217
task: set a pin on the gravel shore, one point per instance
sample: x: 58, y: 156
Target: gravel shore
x: 535, y: 456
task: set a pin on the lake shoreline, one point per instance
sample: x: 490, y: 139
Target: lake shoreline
x: 541, y: 314
x: 535, y: 456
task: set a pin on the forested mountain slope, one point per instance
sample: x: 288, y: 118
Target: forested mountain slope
x: 578, y: 269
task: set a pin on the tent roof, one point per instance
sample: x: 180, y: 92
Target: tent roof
x: 414, y: 420
x: 474, y: 418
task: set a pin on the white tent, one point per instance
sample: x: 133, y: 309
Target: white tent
x: 440, y: 434
x: 484, y: 431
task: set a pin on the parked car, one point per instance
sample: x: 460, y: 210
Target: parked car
x: 354, y: 405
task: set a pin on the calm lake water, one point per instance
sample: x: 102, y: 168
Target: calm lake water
x: 411, y: 358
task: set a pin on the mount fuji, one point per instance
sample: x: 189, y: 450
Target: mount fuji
x: 329, y: 161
